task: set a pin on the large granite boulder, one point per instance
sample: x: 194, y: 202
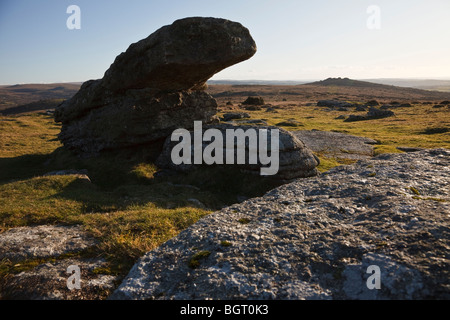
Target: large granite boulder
x: 155, y: 86
x: 181, y: 56
x: 295, y: 159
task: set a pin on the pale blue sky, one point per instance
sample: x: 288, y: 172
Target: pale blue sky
x: 296, y: 39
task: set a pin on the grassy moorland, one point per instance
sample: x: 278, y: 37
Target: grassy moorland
x: 124, y: 206
x: 420, y: 125
x: 130, y: 210
x: 47, y: 94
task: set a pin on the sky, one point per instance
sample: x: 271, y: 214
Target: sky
x: 296, y: 39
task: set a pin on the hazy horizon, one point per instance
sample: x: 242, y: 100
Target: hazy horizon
x: 297, y: 40
x: 254, y: 80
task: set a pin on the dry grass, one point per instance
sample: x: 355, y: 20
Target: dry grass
x: 125, y: 207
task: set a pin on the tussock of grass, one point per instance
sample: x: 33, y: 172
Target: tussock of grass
x: 194, y: 262
x: 244, y: 221
x: 414, y: 190
x: 327, y: 163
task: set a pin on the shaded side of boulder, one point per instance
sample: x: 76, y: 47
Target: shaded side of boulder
x: 135, y: 119
x: 295, y: 159
x: 254, y: 101
x: 353, y: 118
x: 360, y: 108
x: 372, y: 103
x: 290, y: 123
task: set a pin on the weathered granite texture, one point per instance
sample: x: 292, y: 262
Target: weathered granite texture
x: 315, y: 239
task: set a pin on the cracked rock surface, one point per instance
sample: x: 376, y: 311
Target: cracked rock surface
x: 315, y: 238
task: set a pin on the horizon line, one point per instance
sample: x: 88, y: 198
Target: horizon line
x: 260, y: 80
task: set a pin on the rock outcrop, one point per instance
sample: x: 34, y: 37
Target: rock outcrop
x: 135, y: 118
x: 334, y: 104
x: 316, y: 238
x: 295, y: 160
x: 154, y: 87
x: 373, y: 113
x: 235, y: 115
x: 254, y: 101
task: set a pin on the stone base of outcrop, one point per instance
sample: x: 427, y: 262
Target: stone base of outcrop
x: 132, y: 119
x: 316, y: 238
x: 295, y: 159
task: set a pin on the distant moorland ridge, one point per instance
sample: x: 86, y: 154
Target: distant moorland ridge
x: 31, y: 97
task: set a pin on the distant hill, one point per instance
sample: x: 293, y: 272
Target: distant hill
x: 40, y: 105
x: 257, y: 82
x: 346, y: 82
x: 333, y: 88
x: 383, y: 90
x: 425, y: 84
x: 32, y: 97
x: 22, y: 94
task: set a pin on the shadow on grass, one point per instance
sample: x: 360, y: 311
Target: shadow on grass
x: 22, y: 167
x: 430, y: 131
x: 208, y: 188
x: 125, y: 178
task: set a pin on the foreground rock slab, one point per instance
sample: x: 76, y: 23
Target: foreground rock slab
x: 315, y: 239
x: 48, y: 281
x: 52, y: 246
x: 42, y: 242
x: 336, y: 144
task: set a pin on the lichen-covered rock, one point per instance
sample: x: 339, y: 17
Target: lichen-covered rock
x: 337, y: 144
x: 44, y: 241
x: 316, y: 238
x: 52, y: 246
x: 48, y: 281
